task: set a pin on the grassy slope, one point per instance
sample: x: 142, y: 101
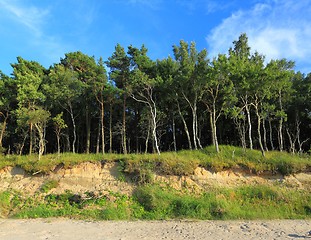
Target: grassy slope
x: 171, y: 163
x: 151, y: 201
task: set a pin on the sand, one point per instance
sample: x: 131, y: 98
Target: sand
x: 50, y: 229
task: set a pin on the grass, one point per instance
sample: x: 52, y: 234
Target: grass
x: 154, y: 202
x: 151, y: 201
x: 141, y: 166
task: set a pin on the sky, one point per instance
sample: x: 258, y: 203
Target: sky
x: 44, y: 31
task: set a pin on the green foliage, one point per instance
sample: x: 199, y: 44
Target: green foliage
x: 253, y: 202
x: 49, y: 185
x: 156, y: 202
x: 5, y: 203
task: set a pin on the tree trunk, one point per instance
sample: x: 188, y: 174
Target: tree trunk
x: 212, y: 128
x: 241, y: 131
x: 280, y: 134
x: 3, y: 128
x: 74, y: 128
x: 88, y: 130
x: 185, y: 125
x: 41, y: 139
x: 58, y: 143
x: 292, y: 145
x: 102, y: 118
x: 174, y: 134
x: 110, y: 129
x: 124, y: 126
x: 259, y: 132
x: 249, y: 126
x: 147, y: 139
x: 98, y: 137
x: 30, y: 138
x: 197, y: 131
x: 265, y: 135
x: 270, y: 133
x: 280, y: 129
x: 153, y: 111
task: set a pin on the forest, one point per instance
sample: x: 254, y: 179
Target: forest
x: 130, y: 103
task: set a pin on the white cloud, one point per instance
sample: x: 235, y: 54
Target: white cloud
x: 30, y: 28
x: 31, y: 17
x: 275, y: 28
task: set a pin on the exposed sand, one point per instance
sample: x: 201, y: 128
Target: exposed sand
x: 50, y: 229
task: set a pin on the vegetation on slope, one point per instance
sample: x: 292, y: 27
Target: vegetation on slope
x: 172, y: 163
x: 154, y: 202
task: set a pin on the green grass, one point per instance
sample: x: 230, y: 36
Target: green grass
x: 154, y: 202
x: 142, y: 166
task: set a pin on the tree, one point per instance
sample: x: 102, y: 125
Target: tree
x: 65, y: 79
x: 218, y: 94
x: 99, y: 83
x: 239, y: 57
x: 260, y: 90
x: 87, y: 72
x: 143, y: 83
x: 29, y: 76
x: 7, y: 98
x: 119, y: 64
x: 189, y: 84
x: 59, y: 125
x: 280, y: 73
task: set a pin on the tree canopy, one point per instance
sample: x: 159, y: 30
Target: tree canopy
x: 132, y: 103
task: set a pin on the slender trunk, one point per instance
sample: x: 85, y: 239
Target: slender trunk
x: 22, y: 145
x: 3, y: 128
x: 212, y: 129
x: 185, y: 126
x: 291, y: 142
x: 124, y: 126
x: 241, y: 131
x: 88, y: 130
x: 280, y: 135
x: 215, y: 131
x: 74, y: 130
x: 280, y: 129
x: 30, y: 138
x: 102, y: 113
x: 270, y: 133
x: 174, y: 134
x: 98, y: 137
x: 110, y: 129
x: 58, y: 142
x: 194, y: 127
x: 147, y: 139
x: 153, y: 111
x: 197, y: 131
x: 249, y: 126
x: 259, y: 131
x: 41, y: 139
x: 264, y: 135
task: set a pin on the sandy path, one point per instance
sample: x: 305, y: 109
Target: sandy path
x: 51, y: 229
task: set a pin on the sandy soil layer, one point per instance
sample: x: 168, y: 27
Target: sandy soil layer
x: 52, y: 229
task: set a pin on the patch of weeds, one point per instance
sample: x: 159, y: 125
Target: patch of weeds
x: 49, y: 185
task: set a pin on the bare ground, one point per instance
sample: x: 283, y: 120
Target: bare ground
x: 52, y: 229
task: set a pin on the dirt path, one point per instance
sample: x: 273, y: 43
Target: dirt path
x: 52, y: 229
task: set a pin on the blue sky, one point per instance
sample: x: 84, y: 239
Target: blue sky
x: 44, y: 31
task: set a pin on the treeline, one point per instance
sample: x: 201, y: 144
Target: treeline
x: 142, y: 105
